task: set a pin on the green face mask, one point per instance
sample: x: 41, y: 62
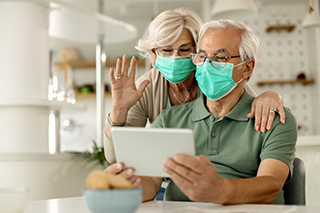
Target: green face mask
x: 175, y: 69
x: 216, y: 81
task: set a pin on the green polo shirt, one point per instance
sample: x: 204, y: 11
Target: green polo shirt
x: 231, y: 143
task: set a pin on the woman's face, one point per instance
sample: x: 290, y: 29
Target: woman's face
x: 184, y: 40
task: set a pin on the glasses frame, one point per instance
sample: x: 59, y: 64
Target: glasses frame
x: 226, y: 58
x: 177, y: 49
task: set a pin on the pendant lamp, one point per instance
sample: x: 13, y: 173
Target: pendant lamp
x: 227, y: 6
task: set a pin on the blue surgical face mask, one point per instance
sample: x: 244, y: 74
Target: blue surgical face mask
x: 216, y: 82
x: 175, y: 69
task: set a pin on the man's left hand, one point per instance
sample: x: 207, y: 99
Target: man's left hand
x: 197, y: 177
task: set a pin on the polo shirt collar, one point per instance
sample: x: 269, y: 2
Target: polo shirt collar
x: 239, y: 112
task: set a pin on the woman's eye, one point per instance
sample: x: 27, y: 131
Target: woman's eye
x: 185, y: 50
x: 167, y: 50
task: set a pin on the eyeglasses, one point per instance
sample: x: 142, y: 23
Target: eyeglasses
x: 199, y: 59
x: 183, y: 51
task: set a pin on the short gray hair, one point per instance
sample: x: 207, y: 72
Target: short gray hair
x: 167, y: 27
x: 250, y: 45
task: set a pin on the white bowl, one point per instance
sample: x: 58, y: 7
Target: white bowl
x: 13, y: 199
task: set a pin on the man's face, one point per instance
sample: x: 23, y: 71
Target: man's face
x: 223, y: 43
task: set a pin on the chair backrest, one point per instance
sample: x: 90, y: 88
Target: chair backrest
x: 295, y: 190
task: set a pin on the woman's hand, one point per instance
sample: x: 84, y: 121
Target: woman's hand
x: 117, y: 169
x: 124, y: 92
x: 264, y: 108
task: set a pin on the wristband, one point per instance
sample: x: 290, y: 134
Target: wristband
x: 114, y: 124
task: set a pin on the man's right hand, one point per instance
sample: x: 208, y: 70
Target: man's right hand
x: 117, y: 169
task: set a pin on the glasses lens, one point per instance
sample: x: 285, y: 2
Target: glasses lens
x: 220, y: 61
x: 198, y: 59
x: 165, y: 51
x: 185, y: 51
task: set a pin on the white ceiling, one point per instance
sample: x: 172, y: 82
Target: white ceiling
x: 138, y: 13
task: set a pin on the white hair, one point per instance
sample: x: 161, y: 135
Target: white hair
x: 249, y: 46
x: 167, y: 27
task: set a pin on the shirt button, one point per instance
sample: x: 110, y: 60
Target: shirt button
x: 211, y: 118
x: 214, y: 135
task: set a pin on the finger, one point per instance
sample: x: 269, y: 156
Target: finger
x: 270, y: 119
x: 115, y: 168
x: 204, y: 159
x: 143, y: 86
x: 118, y: 67
x: 251, y: 114
x: 189, y: 162
x: 171, y: 166
x: 132, y: 71
x: 111, y: 76
x: 124, y: 66
x: 282, y: 114
x: 264, y: 118
x: 127, y: 173
x: 181, y: 181
x: 135, y: 181
x: 257, y: 116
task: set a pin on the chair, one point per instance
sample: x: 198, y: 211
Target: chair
x: 295, y: 190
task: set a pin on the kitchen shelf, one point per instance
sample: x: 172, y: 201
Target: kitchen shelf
x: 90, y: 95
x: 91, y: 64
x: 287, y: 27
x: 296, y: 81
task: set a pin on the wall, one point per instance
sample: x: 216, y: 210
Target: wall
x: 284, y: 55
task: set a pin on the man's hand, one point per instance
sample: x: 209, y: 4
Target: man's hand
x: 117, y: 169
x: 196, y: 177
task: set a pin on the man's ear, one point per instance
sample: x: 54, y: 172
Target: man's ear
x: 153, y: 55
x: 249, y: 66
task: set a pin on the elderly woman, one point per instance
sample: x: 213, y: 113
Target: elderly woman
x: 173, y: 35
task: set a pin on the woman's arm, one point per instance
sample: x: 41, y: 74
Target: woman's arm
x: 124, y: 96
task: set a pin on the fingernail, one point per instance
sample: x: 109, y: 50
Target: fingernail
x: 129, y: 172
x: 164, y: 168
x: 119, y: 166
x: 168, y: 162
x: 176, y: 158
x: 138, y: 180
x: 257, y: 128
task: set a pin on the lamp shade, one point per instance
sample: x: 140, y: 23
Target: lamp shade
x: 224, y: 6
x: 311, y: 19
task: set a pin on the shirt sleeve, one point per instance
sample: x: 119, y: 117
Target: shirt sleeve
x: 281, y: 141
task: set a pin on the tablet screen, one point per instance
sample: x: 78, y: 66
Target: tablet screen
x: 145, y: 150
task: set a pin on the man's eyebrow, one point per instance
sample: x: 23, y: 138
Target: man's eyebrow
x: 223, y: 50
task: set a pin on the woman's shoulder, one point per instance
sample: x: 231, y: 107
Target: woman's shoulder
x: 153, y: 75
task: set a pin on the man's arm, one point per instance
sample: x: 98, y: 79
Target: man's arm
x: 199, y: 180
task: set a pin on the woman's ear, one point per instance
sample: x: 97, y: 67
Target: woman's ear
x: 153, y: 55
x: 248, y: 69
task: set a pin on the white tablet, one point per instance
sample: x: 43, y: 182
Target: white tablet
x: 145, y: 150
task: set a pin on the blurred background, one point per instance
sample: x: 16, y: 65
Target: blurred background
x: 48, y: 57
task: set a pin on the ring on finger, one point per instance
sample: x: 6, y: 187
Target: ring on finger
x: 273, y: 110
x: 118, y: 77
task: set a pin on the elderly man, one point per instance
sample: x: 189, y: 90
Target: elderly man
x: 234, y: 164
